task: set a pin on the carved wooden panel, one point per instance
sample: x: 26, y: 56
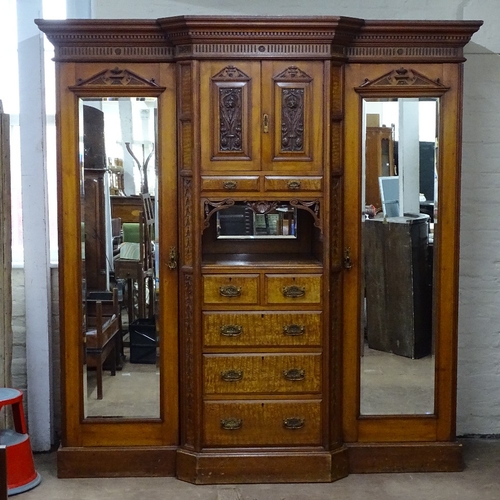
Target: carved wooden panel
x: 230, y: 101
x: 187, y: 219
x: 336, y: 222
x: 187, y: 373
x: 292, y: 106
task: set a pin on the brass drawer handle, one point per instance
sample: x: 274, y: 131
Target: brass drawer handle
x: 293, y: 185
x: 294, y: 374
x: 293, y: 291
x: 231, y: 330
x: 230, y: 291
x: 294, y: 330
x: 230, y: 185
x: 231, y: 424
x: 231, y: 375
x: 294, y: 423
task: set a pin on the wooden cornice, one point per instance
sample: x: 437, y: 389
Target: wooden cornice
x: 118, y: 40
x: 415, y: 41
x: 259, y: 37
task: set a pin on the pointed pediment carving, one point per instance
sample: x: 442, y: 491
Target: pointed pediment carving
x: 117, y: 77
x: 402, y: 77
x: 293, y: 73
x: 231, y: 73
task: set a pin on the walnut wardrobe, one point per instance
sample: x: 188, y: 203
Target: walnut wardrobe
x: 296, y: 328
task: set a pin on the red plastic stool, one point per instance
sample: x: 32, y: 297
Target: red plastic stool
x: 21, y: 473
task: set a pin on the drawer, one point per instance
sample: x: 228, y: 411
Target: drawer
x: 231, y: 289
x: 230, y: 183
x: 292, y: 184
x: 293, y: 289
x: 262, y: 423
x: 262, y: 374
x: 262, y: 329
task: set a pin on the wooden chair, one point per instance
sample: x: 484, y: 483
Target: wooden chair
x: 101, y: 337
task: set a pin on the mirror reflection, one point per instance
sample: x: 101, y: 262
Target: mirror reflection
x: 119, y: 249
x: 239, y: 221
x: 399, y: 220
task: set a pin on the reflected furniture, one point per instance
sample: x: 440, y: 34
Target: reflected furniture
x: 379, y: 161
x: 135, y: 262
x: 259, y: 358
x: 127, y: 208
x: 96, y: 264
x: 102, y: 335
x: 398, y: 284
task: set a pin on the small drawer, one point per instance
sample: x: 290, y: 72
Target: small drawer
x: 293, y: 289
x: 229, y: 183
x: 262, y: 374
x: 292, y: 184
x: 231, y: 289
x: 262, y: 329
x: 262, y: 423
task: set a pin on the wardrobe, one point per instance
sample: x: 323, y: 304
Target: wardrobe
x: 254, y: 134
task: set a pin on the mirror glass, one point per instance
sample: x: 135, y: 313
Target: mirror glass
x: 399, y: 213
x: 119, y: 247
x: 239, y: 221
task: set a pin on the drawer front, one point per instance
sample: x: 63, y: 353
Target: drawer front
x: 230, y: 183
x: 293, y: 289
x: 262, y: 329
x: 293, y: 184
x: 262, y: 374
x: 262, y: 423
x: 231, y: 289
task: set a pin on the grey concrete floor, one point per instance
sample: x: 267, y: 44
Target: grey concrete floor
x: 479, y: 480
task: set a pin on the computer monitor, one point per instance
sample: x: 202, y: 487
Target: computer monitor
x: 389, y: 195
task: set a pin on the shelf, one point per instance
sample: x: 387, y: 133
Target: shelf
x: 291, y: 261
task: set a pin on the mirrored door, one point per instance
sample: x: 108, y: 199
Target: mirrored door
x: 120, y: 248
x: 400, y: 214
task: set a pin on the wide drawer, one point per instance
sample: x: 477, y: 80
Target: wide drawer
x: 230, y: 183
x: 293, y: 289
x: 262, y: 373
x: 231, y: 289
x: 261, y: 329
x: 292, y: 183
x: 262, y: 423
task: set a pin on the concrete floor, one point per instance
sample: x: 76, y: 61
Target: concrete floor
x: 479, y: 480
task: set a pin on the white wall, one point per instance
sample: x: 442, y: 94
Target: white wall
x: 479, y: 318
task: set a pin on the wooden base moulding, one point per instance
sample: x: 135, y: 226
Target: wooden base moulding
x: 405, y: 457
x: 140, y: 461
x: 277, y: 467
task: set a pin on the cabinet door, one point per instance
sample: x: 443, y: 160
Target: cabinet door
x: 230, y: 115
x: 293, y: 116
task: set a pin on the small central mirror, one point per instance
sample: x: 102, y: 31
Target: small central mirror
x: 239, y: 221
x: 119, y: 249
x: 400, y: 217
